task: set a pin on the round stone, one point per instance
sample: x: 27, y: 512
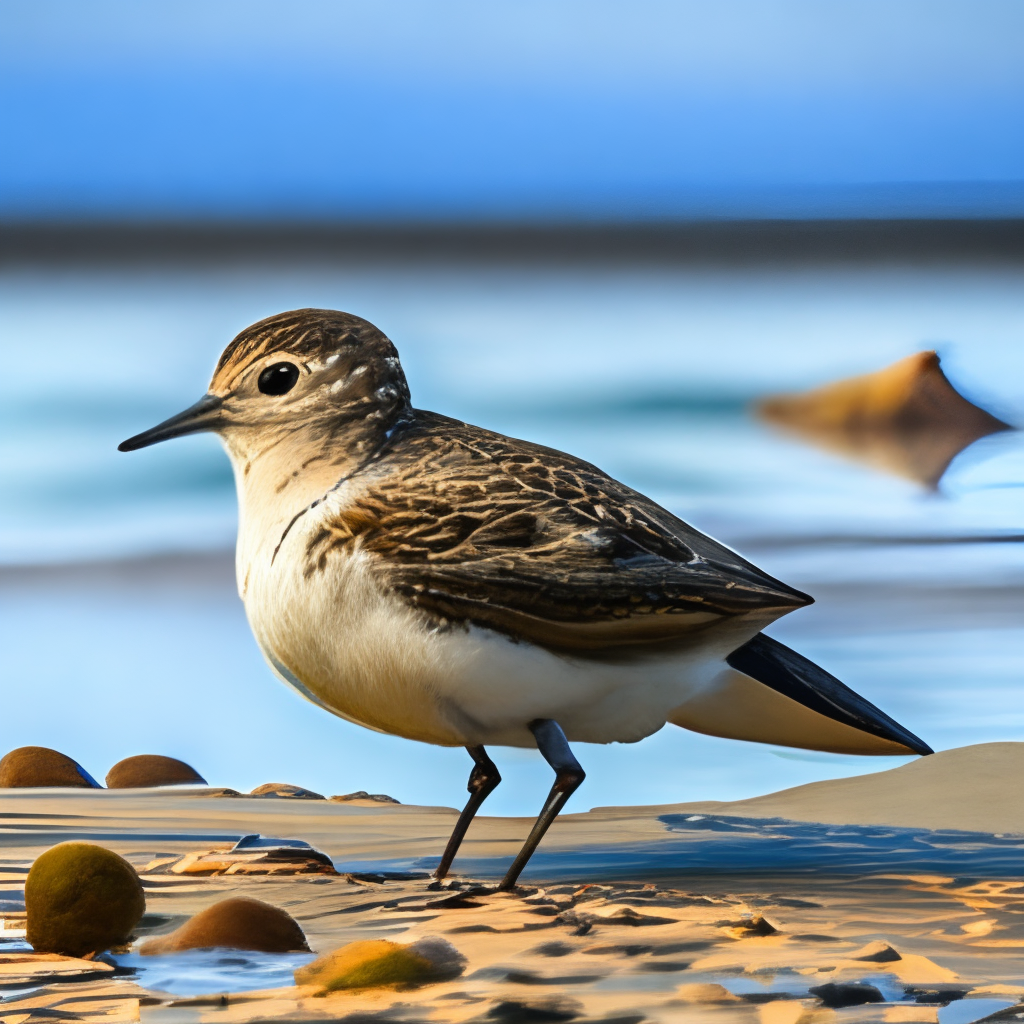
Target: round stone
x: 27, y: 767
x: 145, y: 770
x: 235, y: 923
x: 374, y: 963
x: 81, y: 899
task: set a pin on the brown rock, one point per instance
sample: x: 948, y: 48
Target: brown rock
x: 27, y: 767
x: 254, y: 855
x: 81, y: 899
x: 906, y: 419
x: 145, y: 770
x: 377, y: 798
x: 836, y: 995
x: 236, y: 923
x: 284, y: 789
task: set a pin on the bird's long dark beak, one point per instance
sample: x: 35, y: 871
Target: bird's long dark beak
x: 204, y: 415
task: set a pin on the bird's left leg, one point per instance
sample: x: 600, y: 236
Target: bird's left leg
x: 482, y: 782
x: 553, y: 745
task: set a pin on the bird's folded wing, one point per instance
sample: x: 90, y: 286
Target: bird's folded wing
x: 472, y: 526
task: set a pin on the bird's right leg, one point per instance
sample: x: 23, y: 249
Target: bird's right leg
x: 552, y: 744
x: 483, y: 780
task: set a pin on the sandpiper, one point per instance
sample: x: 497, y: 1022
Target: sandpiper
x: 431, y: 579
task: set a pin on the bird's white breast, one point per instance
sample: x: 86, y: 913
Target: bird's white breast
x: 343, y: 641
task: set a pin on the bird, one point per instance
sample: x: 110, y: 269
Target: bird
x: 431, y: 579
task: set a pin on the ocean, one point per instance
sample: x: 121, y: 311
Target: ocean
x: 122, y: 632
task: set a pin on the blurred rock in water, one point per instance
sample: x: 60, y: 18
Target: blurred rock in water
x: 906, y: 419
x: 284, y: 789
x: 26, y: 767
x: 81, y: 899
x: 145, y: 770
x: 378, y: 962
x: 236, y: 923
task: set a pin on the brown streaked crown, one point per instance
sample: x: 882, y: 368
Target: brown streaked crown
x: 313, y: 335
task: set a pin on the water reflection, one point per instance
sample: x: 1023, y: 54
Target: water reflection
x: 905, y: 419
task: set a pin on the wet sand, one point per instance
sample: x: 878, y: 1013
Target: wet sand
x: 623, y: 917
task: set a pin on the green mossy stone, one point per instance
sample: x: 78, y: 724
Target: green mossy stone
x: 378, y: 963
x: 28, y: 767
x: 81, y: 899
x: 368, y: 964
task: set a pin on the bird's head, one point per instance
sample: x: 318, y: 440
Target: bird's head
x: 307, y: 378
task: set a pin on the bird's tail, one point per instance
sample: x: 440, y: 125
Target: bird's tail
x: 770, y: 694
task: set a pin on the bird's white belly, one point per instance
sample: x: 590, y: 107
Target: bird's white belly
x: 500, y: 685
x: 366, y: 656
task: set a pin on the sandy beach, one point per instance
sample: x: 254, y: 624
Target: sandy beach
x: 640, y: 385
x: 768, y: 910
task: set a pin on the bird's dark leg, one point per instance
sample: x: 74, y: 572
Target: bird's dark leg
x: 553, y: 745
x: 483, y: 780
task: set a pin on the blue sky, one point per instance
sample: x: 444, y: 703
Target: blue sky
x: 554, y: 110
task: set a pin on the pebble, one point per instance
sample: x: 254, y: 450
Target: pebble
x: 284, y: 789
x: 375, y: 963
x: 81, y: 899
x: 27, y: 767
x: 235, y: 923
x: 145, y: 770
x: 836, y: 995
x: 380, y: 798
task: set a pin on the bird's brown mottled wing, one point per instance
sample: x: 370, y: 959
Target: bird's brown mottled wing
x: 468, y: 525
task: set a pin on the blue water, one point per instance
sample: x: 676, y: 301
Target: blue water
x: 646, y: 371
x: 725, y: 845
x: 198, y: 971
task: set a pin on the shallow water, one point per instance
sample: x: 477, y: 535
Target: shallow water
x: 716, y: 844
x: 646, y: 371
x: 196, y: 971
x: 708, y: 845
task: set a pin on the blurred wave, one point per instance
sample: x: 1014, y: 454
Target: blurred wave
x: 648, y: 372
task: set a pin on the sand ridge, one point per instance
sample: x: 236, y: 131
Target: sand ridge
x: 972, y: 788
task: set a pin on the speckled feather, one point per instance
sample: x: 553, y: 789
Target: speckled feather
x: 469, y: 525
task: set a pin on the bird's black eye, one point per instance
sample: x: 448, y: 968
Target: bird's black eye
x: 278, y: 379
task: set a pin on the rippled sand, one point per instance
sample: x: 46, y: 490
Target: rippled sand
x: 766, y: 910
